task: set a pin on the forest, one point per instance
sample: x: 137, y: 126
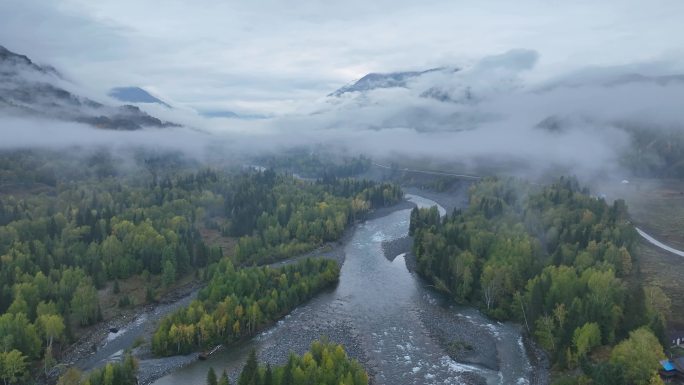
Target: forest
x: 654, y: 151
x: 559, y: 261
x: 315, y: 163
x: 74, y: 226
x: 113, y: 373
x: 280, y: 216
x: 324, y: 364
x: 238, y: 303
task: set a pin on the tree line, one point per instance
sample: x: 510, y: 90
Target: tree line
x: 324, y: 364
x: 113, y: 373
x: 279, y: 216
x: 654, y: 151
x: 74, y: 225
x: 315, y: 163
x: 238, y: 303
x: 59, y: 249
x: 555, y: 259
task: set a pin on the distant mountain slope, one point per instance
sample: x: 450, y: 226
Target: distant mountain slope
x: 373, y: 81
x: 29, y: 89
x: 610, y: 78
x: 219, y: 114
x: 11, y: 63
x: 134, y: 95
x: 228, y: 114
x: 639, y: 78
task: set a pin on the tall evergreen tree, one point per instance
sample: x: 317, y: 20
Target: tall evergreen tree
x: 211, y: 377
x: 268, y: 375
x: 287, y: 372
x: 224, y: 380
x: 250, y: 373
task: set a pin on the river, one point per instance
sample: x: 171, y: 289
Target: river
x: 389, y: 319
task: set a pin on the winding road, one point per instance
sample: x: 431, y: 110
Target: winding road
x: 642, y: 233
x: 659, y: 244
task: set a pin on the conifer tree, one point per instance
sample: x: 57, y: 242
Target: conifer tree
x: 224, y: 380
x: 211, y: 377
x: 250, y: 373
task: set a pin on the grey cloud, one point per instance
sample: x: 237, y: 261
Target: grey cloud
x: 281, y: 59
x: 513, y: 60
x: 499, y: 123
x: 274, y: 57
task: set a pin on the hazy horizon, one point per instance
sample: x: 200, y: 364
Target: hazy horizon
x: 272, y: 58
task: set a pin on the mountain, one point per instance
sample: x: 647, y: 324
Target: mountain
x: 219, y: 114
x: 11, y: 63
x: 610, y: 77
x: 228, y: 114
x: 134, y: 95
x: 661, y: 80
x: 139, y: 95
x: 32, y: 90
x: 373, y: 81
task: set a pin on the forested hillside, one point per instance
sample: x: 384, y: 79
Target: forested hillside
x: 555, y: 259
x: 655, y: 152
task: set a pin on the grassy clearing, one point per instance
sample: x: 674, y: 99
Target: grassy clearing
x: 135, y: 288
x: 665, y: 270
x: 657, y: 206
x: 215, y: 238
x: 133, y: 291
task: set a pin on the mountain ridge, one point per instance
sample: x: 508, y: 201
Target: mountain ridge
x: 134, y: 94
x: 31, y: 90
x: 375, y: 80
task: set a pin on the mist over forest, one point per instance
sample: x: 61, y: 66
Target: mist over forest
x: 383, y: 192
x: 591, y: 122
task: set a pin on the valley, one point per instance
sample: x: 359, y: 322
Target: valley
x: 356, y: 193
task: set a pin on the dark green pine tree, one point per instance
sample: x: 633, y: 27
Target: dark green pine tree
x: 211, y: 377
x: 250, y: 373
x: 224, y: 380
x: 268, y: 375
x: 287, y: 371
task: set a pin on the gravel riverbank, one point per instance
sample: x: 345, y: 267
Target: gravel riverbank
x: 99, y: 346
x: 468, y: 338
x: 468, y: 342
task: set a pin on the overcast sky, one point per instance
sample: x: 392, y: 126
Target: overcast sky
x: 268, y: 56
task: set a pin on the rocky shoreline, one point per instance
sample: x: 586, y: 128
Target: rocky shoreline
x: 341, y: 332
x: 469, y: 343
x: 472, y: 345
x: 335, y: 250
x: 539, y: 360
x: 91, y: 351
x: 82, y: 352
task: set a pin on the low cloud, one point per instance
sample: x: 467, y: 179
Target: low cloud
x: 486, y: 113
x: 273, y: 58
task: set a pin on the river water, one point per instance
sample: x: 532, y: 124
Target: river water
x: 387, y: 318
